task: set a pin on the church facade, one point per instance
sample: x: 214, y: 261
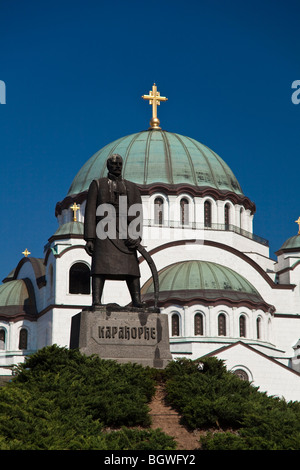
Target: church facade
x: 223, y: 293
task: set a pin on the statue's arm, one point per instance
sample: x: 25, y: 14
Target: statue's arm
x: 90, y: 217
x: 135, y: 200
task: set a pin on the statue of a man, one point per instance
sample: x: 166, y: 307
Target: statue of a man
x: 114, y: 255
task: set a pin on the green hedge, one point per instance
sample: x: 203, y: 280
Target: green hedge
x: 61, y: 399
x: 213, y: 398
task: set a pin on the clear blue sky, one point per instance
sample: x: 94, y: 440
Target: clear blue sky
x: 75, y: 71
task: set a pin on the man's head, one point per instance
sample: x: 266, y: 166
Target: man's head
x: 115, y: 164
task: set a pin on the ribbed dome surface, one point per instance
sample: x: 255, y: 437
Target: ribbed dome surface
x: 292, y: 243
x: 157, y: 156
x: 69, y: 229
x: 203, y: 283
x: 13, y: 293
x: 16, y: 297
x: 200, y: 275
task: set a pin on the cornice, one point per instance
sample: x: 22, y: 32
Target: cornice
x: 59, y: 255
x: 9, y: 314
x: 208, y: 298
x: 289, y: 268
x: 171, y: 189
x: 254, y: 350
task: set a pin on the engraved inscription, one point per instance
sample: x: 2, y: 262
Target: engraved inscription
x: 127, y: 332
x: 120, y: 329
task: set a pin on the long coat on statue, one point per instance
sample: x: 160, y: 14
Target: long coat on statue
x: 111, y: 256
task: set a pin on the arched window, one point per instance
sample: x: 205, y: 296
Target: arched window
x: 221, y: 325
x: 175, y: 324
x: 243, y: 326
x: 227, y: 216
x: 79, y: 279
x: 23, y: 339
x: 184, y: 211
x: 198, y: 324
x: 2, y: 339
x: 158, y: 211
x: 258, y: 328
x: 207, y: 214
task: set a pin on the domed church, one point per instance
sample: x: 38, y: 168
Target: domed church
x: 223, y: 294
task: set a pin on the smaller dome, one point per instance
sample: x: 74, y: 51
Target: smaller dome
x: 203, y: 282
x: 68, y: 230
x: 17, y: 297
x: 291, y: 244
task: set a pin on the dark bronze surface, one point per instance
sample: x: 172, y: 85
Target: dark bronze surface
x: 113, y: 258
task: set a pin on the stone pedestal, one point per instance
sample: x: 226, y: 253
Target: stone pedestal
x: 139, y: 336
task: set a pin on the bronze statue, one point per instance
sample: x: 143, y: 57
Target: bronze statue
x: 113, y: 251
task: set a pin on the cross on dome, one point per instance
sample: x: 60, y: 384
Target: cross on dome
x: 298, y: 222
x: 75, y: 208
x: 154, y: 100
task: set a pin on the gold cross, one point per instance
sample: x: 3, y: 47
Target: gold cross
x: 154, y: 100
x: 26, y: 253
x: 75, y: 208
x: 298, y: 222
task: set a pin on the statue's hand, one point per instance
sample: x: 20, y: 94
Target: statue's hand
x: 89, y: 247
x: 132, y: 244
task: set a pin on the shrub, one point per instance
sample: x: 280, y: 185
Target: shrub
x: 132, y: 439
x: 208, y: 397
x: 115, y: 394
x: 212, y: 397
x: 61, y: 399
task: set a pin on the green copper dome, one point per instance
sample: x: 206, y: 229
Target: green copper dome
x: 17, y: 297
x: 203, y: 282
x: 190, y: 275
x: 13, y: 293
x: 292, y: 243
x: 69, y: 229
x: 157, y: 156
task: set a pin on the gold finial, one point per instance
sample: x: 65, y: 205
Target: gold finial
x: 26, y: 253
x: 298, y: 222
x: 75, y: 208
x: 154, y: 100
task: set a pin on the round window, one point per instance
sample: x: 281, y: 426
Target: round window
x: 241, y: 374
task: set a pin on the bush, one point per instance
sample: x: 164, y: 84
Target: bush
x: 208, y: 397
x: 131, y: 439
x: 115, y: 394
x: 212, y: 397
x: 61, y: 399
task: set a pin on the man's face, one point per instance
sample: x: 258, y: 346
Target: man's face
x: 115, y: 166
